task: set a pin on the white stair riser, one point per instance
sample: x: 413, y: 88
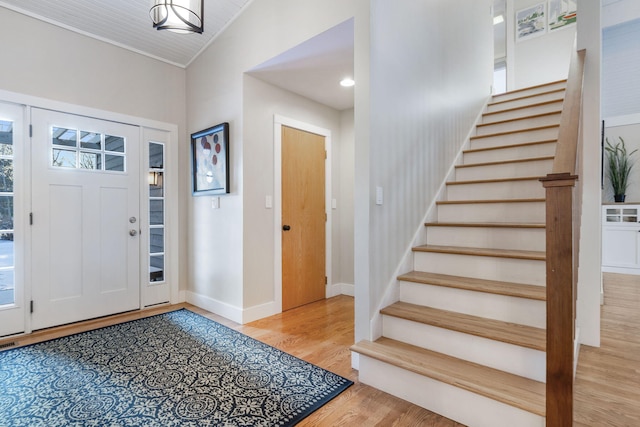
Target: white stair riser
x: 527, y: 189
x: 521, y: 361
x: 542, y: 108
x: 510, y: 153
x: 527, y: 212
x: 530, y: 92
x: 535, y: 135
x: 505, y: 170
x: 452, y: 402
x: 527, y: 239
x: 524, y: 102
x: 516, y: 125
x: 524, y: 271
x: 523, y: 311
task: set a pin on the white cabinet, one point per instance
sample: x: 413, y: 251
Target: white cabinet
x: 621, y: 239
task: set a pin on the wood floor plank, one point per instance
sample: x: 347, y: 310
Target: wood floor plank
x: 607, y: 378
x: 327, y: 326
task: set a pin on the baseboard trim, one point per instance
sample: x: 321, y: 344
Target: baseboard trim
x: 340, y: 289
x: 214, y: 306
x: 246, y: 315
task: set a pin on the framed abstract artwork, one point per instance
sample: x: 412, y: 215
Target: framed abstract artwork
x: 210, y: 160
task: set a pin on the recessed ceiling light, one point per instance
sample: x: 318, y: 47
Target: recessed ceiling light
x: 348, y: 82
x: 498, y: 19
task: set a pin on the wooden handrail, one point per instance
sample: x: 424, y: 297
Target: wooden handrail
x: 562, y: 244
x: 566, y: 151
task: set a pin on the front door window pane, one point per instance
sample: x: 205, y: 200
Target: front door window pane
x: 91, y: 140
x: 156, y: 212
x: 7, y: 263
x: 64, y: 158
x: 114, y: 144
x: 91, y: 161
x: 113, y: 163
x: 65, y: 137
x: 6, y: 175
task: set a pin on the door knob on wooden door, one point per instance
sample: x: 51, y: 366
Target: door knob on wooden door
x: 286, y: 227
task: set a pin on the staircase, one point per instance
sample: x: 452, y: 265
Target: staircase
x: 467, y: 339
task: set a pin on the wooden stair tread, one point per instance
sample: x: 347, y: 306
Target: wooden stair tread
x: 487, y: 224
x: 502, y: 147
x: 463, y: 202
x: 496, y: 100
x: 510, y: 132
x: 510, y: 333
x: 523, y: 107
x: 492, y: 180
x: 524, y: 89
x: 498, y: 253
x: 516, y: 119
x: 523, y: 393
x: 505, y: 162
x: 518, y: 290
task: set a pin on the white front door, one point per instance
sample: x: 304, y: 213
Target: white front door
x: 12, y: 238
x: 86, y: 225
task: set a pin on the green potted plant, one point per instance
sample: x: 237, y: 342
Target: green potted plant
x: 620, y: 164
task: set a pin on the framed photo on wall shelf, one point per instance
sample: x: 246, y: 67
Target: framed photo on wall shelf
x: 210, y: 160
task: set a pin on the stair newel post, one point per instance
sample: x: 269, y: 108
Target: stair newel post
x: 560, y: 298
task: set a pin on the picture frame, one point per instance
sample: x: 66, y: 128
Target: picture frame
x: 210, y: 160
x: 561, y: 14
x: 531, y: 22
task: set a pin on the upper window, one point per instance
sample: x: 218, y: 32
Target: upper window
x: 79, y: 149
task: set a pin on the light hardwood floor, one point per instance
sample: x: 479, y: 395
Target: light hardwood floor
x: 607, y: 392
x: 608, y: 378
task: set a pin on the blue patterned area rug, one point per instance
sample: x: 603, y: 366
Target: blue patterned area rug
x: 173, y: 369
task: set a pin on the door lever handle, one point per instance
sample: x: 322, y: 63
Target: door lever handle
x: 286, y: 227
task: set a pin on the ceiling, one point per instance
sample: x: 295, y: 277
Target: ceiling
x: 126, y: 23
x: 312, y: 69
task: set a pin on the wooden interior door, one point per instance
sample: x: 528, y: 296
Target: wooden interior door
x: 303, y: 218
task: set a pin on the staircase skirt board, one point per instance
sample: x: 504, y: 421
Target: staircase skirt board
x: 505, y: 308
x: 522, y: 151
x: 524, y: 271
x: 514, y: 359
x: 494, y: 190
x: 531, y: 239
x: 519, y: 112
x: 515, y: 211
x: 544, y: 133
x: 518, y: 124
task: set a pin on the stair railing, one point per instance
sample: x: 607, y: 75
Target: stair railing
x: 563, y: 213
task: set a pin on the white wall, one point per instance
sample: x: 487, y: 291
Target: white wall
x: 629, y: 129
x: 261, y: 102
x: 589, y: 275
x: 540, y: 59
x: 344, y: 161
x: 430, y: 75
x: 46, y: 61
x: 218, y: 239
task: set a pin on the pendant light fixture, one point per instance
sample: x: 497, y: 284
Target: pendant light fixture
x: 179, y: 16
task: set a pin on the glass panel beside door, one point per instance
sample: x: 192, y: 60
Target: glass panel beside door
x: 12, y: 142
